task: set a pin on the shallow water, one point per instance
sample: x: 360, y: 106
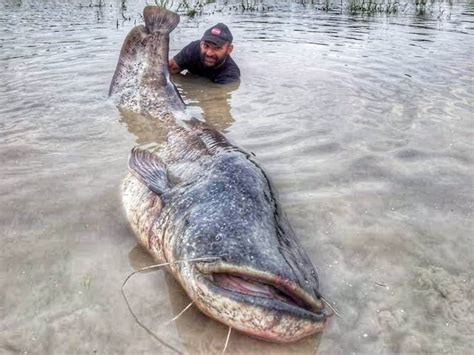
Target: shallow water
x: 365, y: 125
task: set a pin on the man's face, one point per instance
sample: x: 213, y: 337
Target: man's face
x: 213, y: 56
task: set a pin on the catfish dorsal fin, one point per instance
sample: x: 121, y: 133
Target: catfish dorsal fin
x: 149, y: 169
x: 158, y: 19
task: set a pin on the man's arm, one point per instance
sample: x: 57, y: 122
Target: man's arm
x: 185, y: 58
x: 174, y: 67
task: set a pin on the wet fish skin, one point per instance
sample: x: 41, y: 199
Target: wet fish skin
x: 201, y: 196
x: 141, y: 82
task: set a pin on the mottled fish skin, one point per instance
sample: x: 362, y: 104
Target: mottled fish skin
x: 200, y: 196
x: 141, y: 82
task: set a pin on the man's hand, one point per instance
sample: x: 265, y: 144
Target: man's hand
x: 173, y: 67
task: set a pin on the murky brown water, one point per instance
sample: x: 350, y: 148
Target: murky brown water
x: 365, y: 125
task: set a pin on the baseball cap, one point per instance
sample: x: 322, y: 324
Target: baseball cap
x: 218, y: 35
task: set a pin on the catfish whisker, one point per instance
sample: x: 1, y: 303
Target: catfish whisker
x: 227, y: 340
x: 150, y: 332
x: 331, y: 307
x: 157, y: 266
x: 179, y: 314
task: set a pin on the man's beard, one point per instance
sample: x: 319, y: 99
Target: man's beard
x: 213, y: 64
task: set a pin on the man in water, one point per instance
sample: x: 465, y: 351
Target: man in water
x: 209, y: 57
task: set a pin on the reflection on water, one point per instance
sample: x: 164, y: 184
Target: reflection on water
x: 364, y: 124
x: 205, y: 100
x: 145, y: 130
x: 213, y: 100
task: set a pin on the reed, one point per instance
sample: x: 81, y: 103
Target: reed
x: 372, y: 7
x: 167, y: 4
x: 423, y: 7
x: 195, y: 8
x: 99, y: 4
x: 190, y: 9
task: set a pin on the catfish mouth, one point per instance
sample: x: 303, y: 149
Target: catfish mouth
x: 263, y: 289
x: 246, y: 285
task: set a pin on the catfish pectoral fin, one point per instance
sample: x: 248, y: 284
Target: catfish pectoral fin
x: 149, y: 169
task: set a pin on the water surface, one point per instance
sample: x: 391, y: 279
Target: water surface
x: 364, y: 123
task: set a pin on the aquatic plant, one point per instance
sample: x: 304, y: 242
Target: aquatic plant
x: 190, y: 9
x: 167, y: 4
x: 99, y: 4
x: 422, y: 7
x: 249, y: 5
x: 123, y: 9
x: 371, y: 7
x: 193, y: 8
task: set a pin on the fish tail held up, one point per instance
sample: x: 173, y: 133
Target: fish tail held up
x: 158, y: 19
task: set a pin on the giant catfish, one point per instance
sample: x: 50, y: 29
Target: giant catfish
x: 200, y: 196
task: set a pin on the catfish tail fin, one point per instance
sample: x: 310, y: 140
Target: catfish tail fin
x: 158, y: 19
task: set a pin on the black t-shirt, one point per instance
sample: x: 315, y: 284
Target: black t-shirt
x: 190, y: 58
